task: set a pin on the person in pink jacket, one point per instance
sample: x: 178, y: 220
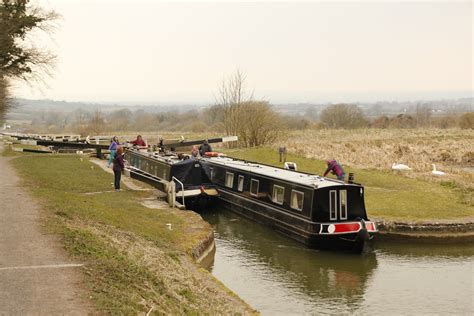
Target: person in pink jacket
x: 336, y: 169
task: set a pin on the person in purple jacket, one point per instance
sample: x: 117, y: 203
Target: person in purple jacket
x: 114, y: 143
x: 118, y: 167
x: 336, y: 169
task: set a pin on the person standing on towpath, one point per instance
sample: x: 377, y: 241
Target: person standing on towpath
x: 336, y: 169
x: 118, y: 168
x: 114, y: 143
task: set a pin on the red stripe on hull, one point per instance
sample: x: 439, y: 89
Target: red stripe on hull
x: 347, y: 227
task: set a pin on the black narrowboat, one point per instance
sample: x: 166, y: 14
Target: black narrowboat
x: 317, y: 211
x: 193, y: 186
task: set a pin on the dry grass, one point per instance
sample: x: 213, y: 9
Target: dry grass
x: 452, y: 150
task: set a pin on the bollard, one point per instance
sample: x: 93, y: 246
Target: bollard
x: 171, y: 193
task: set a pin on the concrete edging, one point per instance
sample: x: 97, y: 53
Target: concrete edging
x: 426, y: 232
x: 203, y: 252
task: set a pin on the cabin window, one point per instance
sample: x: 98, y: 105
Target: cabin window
x: 332, y: 205
x: 278, y: 194
x: 343, y: 203
x: 240, y: 184
x: 297, y: 199
x: 254, y: 187
x: 229, y: 179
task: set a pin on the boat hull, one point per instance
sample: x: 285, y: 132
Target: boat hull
x: 312, y: 234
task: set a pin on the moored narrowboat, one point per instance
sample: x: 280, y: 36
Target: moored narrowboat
x: 192, y: 184
x: 314, y: 210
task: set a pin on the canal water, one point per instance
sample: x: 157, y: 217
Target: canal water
x: 278, y: 276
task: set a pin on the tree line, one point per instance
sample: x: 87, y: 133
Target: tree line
x: 255, y: 122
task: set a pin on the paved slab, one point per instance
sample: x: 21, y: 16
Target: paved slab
x: 36, y: 276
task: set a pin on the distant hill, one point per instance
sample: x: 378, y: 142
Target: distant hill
x: 25, y: 108
x: 27, y: 105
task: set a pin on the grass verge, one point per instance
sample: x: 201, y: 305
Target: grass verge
x: 133, y: 262
x: 388, y: 195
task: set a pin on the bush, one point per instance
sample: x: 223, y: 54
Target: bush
x: 466, y: 121
x: 343, y: 116
x: 257, y: 124
x: 381, y: 122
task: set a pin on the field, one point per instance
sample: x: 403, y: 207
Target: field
x: 452, y: 150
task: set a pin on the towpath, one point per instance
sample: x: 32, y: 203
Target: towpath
x: 36, y: 276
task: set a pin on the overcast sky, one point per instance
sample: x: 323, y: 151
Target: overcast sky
x: 153, y: 51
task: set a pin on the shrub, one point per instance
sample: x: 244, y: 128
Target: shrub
x: 466, y: 121
x: 343, y: 116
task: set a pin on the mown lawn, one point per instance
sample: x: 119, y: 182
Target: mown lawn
x: 65, y: 179
x: 389, y: 195
x: 133, y: 261
x: 9, y: 152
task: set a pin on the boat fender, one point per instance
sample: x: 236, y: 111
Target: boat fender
x: 211, y: 154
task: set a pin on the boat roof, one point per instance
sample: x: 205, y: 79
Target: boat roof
x: 169, y: 158
x: 277, y: 173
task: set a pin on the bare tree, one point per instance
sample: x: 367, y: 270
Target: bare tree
x: 253, y: 121
x: 232, y: 93
x: 423, y: 115
x: 97, y: 122
x: 120, y: 120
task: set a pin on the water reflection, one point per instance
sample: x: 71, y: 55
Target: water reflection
x: 278, y: 276
x: 407, y: 250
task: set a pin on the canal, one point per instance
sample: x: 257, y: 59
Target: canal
x: 278, y: 276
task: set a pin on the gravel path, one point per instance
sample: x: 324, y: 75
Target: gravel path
x: 36, y: 276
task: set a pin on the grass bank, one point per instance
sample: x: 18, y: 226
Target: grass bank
x: 389, y: 196
x: 133, y: 262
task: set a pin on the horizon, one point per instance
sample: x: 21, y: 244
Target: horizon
x: 137, y: 104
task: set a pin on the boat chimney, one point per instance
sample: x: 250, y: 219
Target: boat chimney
x: 351, y: 178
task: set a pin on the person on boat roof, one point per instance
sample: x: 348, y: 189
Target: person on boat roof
x: 139, y: 142
x: 194, y: 152
x: 336, y: 169
x: 205, y: 147
x: 161, y: 145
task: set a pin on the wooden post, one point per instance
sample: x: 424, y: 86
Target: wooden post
x: 282, y: 152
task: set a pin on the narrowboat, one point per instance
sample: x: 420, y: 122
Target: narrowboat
x: 193, y: 186
x: 317, y: 211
